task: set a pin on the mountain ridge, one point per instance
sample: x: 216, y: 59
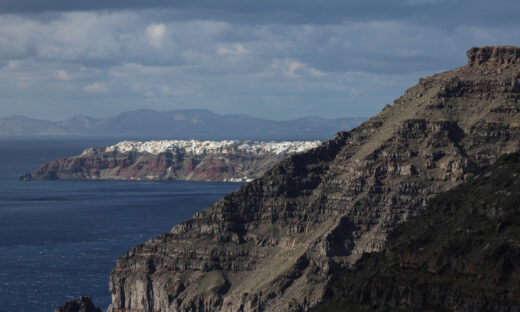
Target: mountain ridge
x: 181, y: 124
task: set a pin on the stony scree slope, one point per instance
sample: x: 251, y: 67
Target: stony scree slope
x: 274, y: 243
x: 462, y: 254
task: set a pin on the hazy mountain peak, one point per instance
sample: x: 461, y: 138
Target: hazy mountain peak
x: 180, y: 124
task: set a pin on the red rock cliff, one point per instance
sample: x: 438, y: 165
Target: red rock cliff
x: 500, y: 55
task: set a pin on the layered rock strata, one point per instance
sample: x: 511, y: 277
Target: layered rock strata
x: 462, y: 254
x: 274, y: 243
x: 172, y: 160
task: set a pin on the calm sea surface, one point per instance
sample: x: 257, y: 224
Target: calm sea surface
x: 59, y: 239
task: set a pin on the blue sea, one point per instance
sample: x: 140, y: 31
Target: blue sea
x: 60, y: 239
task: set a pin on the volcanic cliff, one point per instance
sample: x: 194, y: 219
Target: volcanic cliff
x: 172, y: 160
x: 274, y: 243
x: 462, y: 254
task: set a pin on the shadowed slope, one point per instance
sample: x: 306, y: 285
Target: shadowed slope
x: 462, y: 254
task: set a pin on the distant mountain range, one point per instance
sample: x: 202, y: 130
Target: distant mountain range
x: 180, y: 124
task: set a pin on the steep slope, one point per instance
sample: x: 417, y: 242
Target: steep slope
x: 462, y: 254
x: 172, y: 160
x: 273, y: 244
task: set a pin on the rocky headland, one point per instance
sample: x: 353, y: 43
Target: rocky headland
x: 191, y: 160
x: 275, y: 243
x: 462, y: 254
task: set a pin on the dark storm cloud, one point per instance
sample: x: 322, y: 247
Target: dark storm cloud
x: 302, y: 7
x: 440, y: 12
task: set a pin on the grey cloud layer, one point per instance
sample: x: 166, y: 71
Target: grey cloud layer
x: 282, y: 62
x: 439, y: 12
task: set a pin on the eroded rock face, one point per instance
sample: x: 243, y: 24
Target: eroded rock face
x: 273, y: 244
x: 462, y: 254
x: 501, y: 55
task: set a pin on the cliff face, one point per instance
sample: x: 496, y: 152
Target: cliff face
x: 172, y: 160
x: 273, y: 244
x: 462, y: 254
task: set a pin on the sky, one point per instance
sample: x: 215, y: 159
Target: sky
x: 275, y: 59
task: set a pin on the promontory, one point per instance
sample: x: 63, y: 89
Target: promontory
x: 192, y: 160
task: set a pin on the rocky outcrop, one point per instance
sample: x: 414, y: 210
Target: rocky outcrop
x: 462, y: 254
x: 274, y: 243
x: 83, y: 304
x: 172, y: 160
x: 500, y: 55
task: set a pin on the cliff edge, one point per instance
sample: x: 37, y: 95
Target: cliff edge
x: 274, y: 243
